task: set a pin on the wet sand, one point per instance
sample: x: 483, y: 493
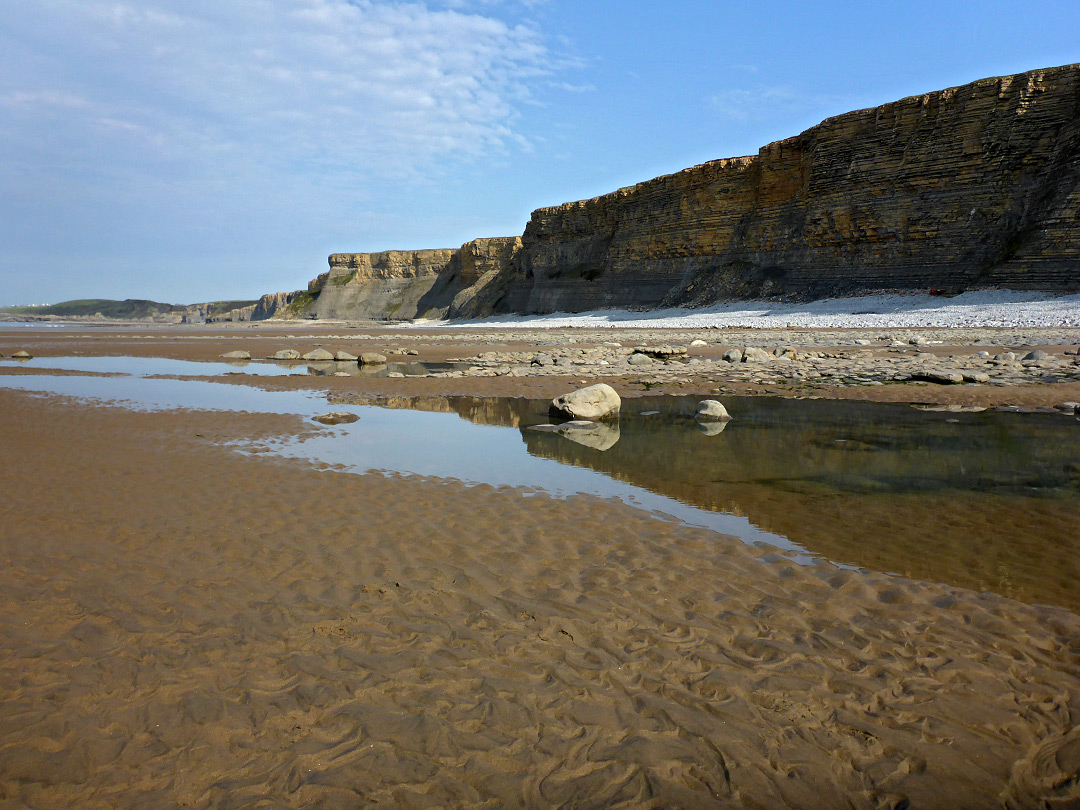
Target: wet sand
x: 186, y: 626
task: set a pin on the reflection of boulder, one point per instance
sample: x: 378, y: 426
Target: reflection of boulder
x: 711, y: 428
x: 597, y: 435
x: 321, y: 369
x: 598, y: 401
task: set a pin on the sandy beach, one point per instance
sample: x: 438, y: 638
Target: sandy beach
x: 188, y: 626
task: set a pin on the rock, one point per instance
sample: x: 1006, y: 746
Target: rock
x: 710, y: 410
x: 732, y: 356
x: 345, y: 357
x: 342, y: 374
x: 543, y: 360
x: 285, y: 354
x: 22, y: 355
x: 597, y: 435
x: 237, y: 355
x: 1068, y: 407
x: 318, y: 356
x: 975, y: 376
x: 371, y: 359
x: 595, y: 402
x: 337, y: 418
x: 640, y: 360
x: 939, y: 377
x: 397, y: 375
x: 662, y: 352
x: 752, y: 354
x: 1005, y: 357
x: 697, y: 344
x: 1035, y: 355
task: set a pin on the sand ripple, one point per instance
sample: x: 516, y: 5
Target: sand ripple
x: 183, y: 627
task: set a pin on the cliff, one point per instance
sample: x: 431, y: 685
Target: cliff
x: 973, y: 186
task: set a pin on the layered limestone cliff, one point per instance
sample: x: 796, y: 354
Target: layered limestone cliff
x: 974, y: 186
x: 404, y: 284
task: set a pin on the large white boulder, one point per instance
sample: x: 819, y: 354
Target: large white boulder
x: 598, y: 401
x: 710, y: 410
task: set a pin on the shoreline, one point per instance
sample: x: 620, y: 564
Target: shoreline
x: 873, y: 365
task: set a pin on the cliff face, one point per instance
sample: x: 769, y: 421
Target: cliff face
x: 406, y: 284
x: 972, y: 186
x: 976, y: 185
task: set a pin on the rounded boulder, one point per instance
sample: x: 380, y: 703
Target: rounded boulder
x: 594, y: 402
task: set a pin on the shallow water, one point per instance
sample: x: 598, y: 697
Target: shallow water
x: 988, y: 500
x: 159, y: 366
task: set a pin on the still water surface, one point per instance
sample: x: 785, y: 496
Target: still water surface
x: 989, y: 501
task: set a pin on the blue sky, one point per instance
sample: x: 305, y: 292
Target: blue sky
x: 218, y: 149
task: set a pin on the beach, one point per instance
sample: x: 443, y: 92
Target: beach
x: 192, y: 618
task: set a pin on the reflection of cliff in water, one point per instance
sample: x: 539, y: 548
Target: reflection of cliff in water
x: 990, y: 502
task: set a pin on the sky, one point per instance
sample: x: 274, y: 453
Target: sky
x: 221, y: 149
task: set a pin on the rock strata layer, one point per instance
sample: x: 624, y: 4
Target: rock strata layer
x: 969, y: 187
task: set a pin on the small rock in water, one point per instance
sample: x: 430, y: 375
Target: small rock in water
x: 237, y: 355
x: 711, y: 410
x: 345, y: 357
x: 337, y: 418
x: 371, y: 359
x: 318, y: 355
x: 22, y: 355
x: 594, y: 402
x: 285, y: 354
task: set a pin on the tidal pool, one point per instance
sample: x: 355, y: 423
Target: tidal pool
x: 165, y: 367
x: 988, y: 501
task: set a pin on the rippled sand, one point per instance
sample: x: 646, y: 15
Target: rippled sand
x: 183, y: 626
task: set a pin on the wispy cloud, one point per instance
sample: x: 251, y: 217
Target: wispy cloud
x: 371, y: 88
x: 763, y: 102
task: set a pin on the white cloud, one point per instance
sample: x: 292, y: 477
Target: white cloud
x: 368, y: 88
x: 764, y: 102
